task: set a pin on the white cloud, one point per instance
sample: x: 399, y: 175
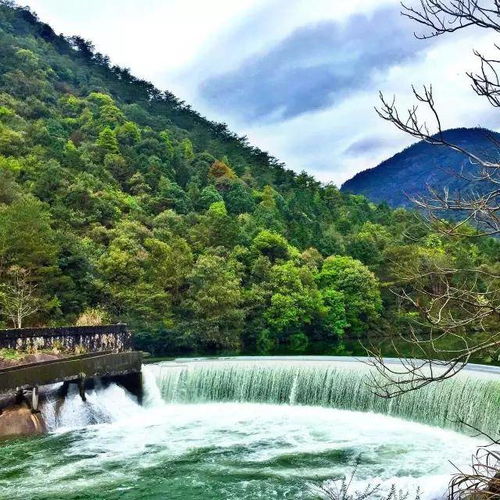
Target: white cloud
x: 150, y: 36
x: 177, y: 44
x: 317, y: 141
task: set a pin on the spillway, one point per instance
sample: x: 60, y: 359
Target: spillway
x: 250, y: 429
x: 473, y: 395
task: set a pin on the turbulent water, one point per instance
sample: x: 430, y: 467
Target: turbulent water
x: 240, y: 430
x: 471, y: 396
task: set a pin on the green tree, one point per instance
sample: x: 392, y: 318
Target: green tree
x: 360, y: 289
x: 368, y: 244
x: 213, y: 305
x: 208, y: 196
x: 128, y: 134
x: 294, y: 301
x: 169, y: 263
x: 107, y: 141
x: 272, y: 245
x: 27, y: 239
x: 239, y: 198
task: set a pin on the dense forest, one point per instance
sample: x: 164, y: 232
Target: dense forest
x: 407, y: 174
x: 120, y: 202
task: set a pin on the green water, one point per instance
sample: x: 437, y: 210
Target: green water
x: 217, y: 451
x: 191, y: 441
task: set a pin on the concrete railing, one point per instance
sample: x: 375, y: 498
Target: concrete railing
x: 88, y: 338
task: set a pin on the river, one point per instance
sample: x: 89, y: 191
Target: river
x: 249, y: 429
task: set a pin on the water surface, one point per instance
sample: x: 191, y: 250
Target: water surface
x: 232, y: 432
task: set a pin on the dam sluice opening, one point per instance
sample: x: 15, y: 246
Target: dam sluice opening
x: 252, y: 429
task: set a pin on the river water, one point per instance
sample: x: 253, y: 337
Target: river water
x: 246, y: 429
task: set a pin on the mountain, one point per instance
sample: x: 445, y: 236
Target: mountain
x: 118, y: 202
x: 409, y: 172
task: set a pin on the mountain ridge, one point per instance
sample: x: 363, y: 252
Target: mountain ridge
x: 408, y: 173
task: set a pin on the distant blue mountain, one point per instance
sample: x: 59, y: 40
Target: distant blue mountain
x: 409, y: 172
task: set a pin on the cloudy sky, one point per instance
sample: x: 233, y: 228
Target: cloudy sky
x: 300, y: 78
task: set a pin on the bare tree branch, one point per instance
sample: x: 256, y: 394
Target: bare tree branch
x: 484, y: 473
x: 448, y: 16
x: 458, y: 309
x: 17, y: 296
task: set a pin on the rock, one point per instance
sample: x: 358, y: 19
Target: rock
x: 18, y: 420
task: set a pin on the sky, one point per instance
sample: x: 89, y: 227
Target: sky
x: 299, y: 78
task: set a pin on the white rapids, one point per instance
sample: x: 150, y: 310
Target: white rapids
x: 234, y: 430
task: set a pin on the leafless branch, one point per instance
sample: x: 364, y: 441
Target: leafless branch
x: 17, y: 296
x: 448, y: 16
x: 458, y: 309
x: 484, y: 473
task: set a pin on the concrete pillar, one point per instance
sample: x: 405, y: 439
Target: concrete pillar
x: 19, y: 396
x: 63, y: 391
x: 34, y: 400
x: 81, y: 388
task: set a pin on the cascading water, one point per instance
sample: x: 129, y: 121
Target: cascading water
x: 104, y: 405
x: 471, y: 396
x: 247, y: 429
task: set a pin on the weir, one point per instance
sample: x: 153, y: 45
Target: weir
x: 69, y: 369
x: 267, y: 422
x: 473, y: 395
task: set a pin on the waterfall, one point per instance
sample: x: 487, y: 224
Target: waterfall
x: 471, y: 396
x: 152, y: 394
x: 104, y: 404
x: 256, y: 428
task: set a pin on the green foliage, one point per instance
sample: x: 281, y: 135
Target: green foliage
x: 208, y: 196
x: 272, y: 245
x: 217, y: 209
x: 116, y: 196
x: 299, y: 342
x: 213, y: 305
x: 264, y: 343
x: 239, y: 199
x: 294, y: 300
x: 334, y: 315
x: 107, y: 141
x: 128, y: 134
x: 11, y: 354
x: 359, y: 287
x: 26, y: 235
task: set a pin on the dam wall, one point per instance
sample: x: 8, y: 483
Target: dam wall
x: 473, y: 395
x: 23, y: 387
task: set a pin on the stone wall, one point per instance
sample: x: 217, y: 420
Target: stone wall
x: 88, y: 338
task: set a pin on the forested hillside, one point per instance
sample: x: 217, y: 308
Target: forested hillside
x: 118, y: 202
x: 408, y: 174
